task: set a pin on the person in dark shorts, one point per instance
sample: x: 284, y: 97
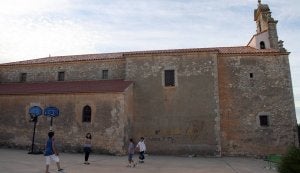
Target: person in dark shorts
x: 142, y: 148
x: 131, y: 153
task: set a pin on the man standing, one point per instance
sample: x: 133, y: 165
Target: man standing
x: 142, y: 148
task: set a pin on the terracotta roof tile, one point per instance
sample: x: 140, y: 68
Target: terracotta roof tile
x: 120, y: 55
x: 221, y: 50
x: 70, y: 58
x: 64, y: 87
x: 244, y: 50
x: 173, y: 51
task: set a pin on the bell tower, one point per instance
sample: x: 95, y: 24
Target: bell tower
x: 266, y: 30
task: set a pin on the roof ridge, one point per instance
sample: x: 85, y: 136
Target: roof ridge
x: 68, y: 58
x: 120, y: 55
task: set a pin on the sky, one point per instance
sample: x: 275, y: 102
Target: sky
x: 31, y: 29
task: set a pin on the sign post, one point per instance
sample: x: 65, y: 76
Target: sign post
x: 34, y: 112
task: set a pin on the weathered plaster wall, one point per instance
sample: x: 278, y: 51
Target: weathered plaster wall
x: 243, y: 98
x: 263, y: 20
x: 255, y: 42
x: 74, y: 71
x: 129, y: 105
x: 108, y: 124
x: 180, y: 119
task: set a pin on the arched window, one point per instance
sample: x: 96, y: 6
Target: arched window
x: 262, y: 45
x: 86, y: 114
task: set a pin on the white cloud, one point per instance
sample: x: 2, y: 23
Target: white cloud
x: 39, y: 27
x: 89, y: 26
x: 32, y: 7
x: 285, y: 10
x: 41, y: 37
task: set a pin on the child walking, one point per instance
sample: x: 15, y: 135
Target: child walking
x: 131, y: 153
x: 142, y: 148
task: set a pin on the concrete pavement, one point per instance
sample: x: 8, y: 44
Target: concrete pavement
x: 18, y: 161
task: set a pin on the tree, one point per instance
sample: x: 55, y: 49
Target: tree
x: 299, y: 133
x: 290, y: 162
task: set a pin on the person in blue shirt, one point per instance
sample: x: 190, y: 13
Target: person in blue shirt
x: 51, y: 152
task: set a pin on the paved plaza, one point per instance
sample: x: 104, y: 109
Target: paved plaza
x: 18, y: 161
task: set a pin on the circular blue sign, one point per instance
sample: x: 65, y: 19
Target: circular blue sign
x: 51, y: 112
x: 35, y: 111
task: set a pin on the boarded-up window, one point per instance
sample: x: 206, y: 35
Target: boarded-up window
x: 169, y: 78
x: 86, y: 114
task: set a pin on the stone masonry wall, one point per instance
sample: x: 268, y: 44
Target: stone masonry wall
x: 108, y: 123
x: 244, y: 97
x: 74, y: 71
x: 180, y: 119
x: 213, y: 109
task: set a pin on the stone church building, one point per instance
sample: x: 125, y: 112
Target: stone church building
x: 206, y: 101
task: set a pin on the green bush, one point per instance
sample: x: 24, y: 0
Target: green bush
x: 299, y: 133
x: 290, y: 162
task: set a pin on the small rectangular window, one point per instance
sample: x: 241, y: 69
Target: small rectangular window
x: 251, y: 75
x: 61, y: 76
x: 104, y: 74
x: 264, y: 120
x: 23, y: 77
x: 169, y: 78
